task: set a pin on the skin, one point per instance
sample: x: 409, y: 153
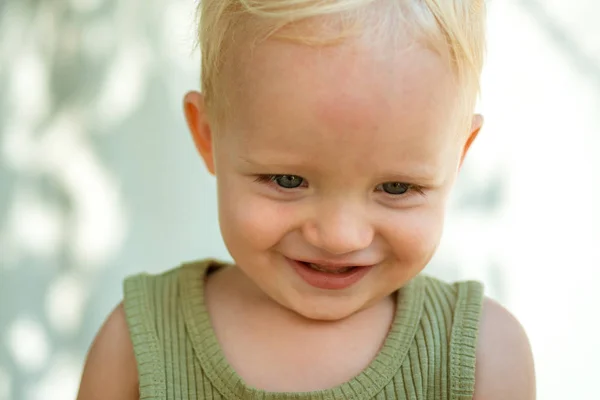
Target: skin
x: 348, y: 120
x: 345, y: 131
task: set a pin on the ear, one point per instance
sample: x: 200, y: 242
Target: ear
x: 197, y: 121
x: 476, y: 125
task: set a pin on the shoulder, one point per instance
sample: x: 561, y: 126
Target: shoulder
x: 110, y: 370
x: 487, y: 344
x: 504, y: 366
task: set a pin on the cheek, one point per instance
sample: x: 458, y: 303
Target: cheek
x: 415, y: 235
x: 251, y: 221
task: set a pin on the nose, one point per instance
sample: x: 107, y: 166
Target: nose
x: 339, y: 229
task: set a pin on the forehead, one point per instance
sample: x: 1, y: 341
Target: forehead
x: 357, y: 96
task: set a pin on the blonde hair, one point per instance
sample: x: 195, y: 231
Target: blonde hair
x: 454, y: 28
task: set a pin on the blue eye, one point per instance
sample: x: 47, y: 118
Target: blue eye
x: 395, y: 188
x: 288, y: 181
x: 283, y: 181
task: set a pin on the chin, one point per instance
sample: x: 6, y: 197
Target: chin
x: 326, y: 309
x: 329, y: 315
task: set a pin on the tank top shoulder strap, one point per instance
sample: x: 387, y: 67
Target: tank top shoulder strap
x: 463, y: 339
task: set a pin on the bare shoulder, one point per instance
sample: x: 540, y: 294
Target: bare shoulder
x: 504, y: 368
x: 110, y: 370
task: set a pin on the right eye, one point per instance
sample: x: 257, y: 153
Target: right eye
x: 283, y: 181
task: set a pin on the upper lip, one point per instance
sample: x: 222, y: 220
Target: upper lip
x: 334, y: 264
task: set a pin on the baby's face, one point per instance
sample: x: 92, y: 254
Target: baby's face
x: 341, y: 156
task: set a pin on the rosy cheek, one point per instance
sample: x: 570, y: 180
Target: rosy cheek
x: 415, y: 235
x: 255, y: 221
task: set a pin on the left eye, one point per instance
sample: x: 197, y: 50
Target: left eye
x: 395, y: 188
x: 283, y: 181
x: 288, y: 181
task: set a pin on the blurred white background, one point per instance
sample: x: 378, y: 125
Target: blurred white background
x: 99, y: 179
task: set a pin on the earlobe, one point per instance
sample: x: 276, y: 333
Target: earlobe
x: 198, y: 124
x: 476, y: 125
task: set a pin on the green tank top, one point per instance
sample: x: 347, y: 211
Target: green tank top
x: 429, y: 353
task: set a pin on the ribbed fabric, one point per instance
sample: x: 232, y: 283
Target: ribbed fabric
x: 429, y: 353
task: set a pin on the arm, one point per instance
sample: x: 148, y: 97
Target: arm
x: 110, y: 370
x: 504, y: 368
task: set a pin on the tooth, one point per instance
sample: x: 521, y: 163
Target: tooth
x: 338, y: 271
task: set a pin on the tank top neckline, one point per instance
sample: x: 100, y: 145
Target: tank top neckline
x: 373, y: 379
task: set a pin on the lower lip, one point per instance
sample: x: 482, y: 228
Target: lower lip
x: 324, y: 280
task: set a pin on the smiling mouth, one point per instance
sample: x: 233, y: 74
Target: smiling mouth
x: 329, y: 269
x: 330, y: 276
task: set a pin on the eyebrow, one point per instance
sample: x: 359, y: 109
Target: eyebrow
x: 256, y: 163
x: 426, y: 179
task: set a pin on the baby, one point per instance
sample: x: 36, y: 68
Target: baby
x: 335, y: 130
